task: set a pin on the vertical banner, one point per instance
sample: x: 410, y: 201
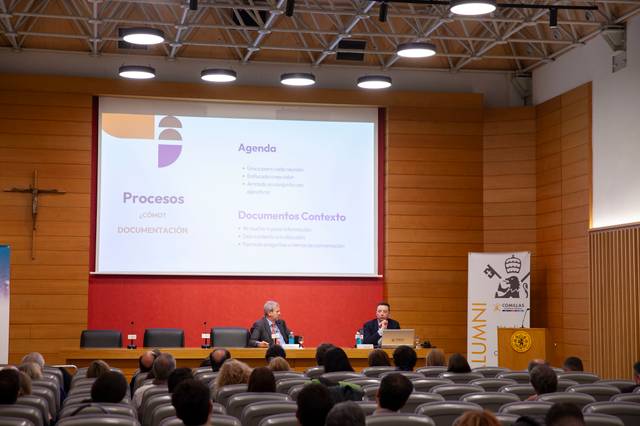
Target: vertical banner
x: 4, y: 304
x: 499, y: 296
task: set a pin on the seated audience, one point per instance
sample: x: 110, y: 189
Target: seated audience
x: 39, y: 359
x: 274, y: 351
x: 458, y: 364
x: 9, y: 386
x: 379, y: 358
x: 25, y: 384
x: 473, y: 418
x: 34, y: 357
x: 178, y: 376
x: 636, y: 379
x: 573, y: 363
x: 436, y: 358
x: 544, y: 380
x: 564, y: 414
x: 336, y: 360
x: 346, y: 413
x: 535, y: 362
x: 321, y: 350
x: 145, y: 362
x: 97, y: 368
x: 405, y: 358
x: 314, y: 403
x: 216, y: 358
x: 162, y: 367
x: 262, y: 380
x: 393, y: 393
x: 232, y: 372
x: 279, y: 364
x: 31, y: 369
x: 109, y: 387
x: 192, y: 401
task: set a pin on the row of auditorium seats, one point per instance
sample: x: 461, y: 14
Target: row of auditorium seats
x: 231, y: 337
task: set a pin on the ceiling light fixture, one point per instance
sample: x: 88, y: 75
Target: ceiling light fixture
x: 384, y: 11
x: 298, y: 79
x: 472, y: 7
x: 553, y: 17
x: 143, y: 36
x: 416, y: 50
x: 289, y: 7
x: 374, y: 82
x: 137, y: 72
x: 218, y: 75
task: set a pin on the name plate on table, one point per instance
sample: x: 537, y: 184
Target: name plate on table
x: 364, y: 346
x: 291, y: 346
x: 206, y: 335
x: 132, y: 336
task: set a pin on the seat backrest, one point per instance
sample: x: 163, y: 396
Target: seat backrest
x: 100, y: 339
x: 82, y: 389
x: 254, y: 413
x: 535, y: 409
x: 368, y: 407
x: 564, y: 384
x: 229, y: 337
x: 620, y: 383
x: 399, y: 419
x: 162, y: 412
x: 580, y: 376
x: 206, y: 376
x: 599, y: 392
x: 151, y: 403
x: 491, y: 401
x: 433, y: 371
x: 419, y: 398
x: 280, y: 375
x: 38, y: 402
x: 455, y: 391
x: 593, y: 419
x: 224, y: 420
x: 288, y: 419
x: 120, y: 409
x: 370, y: 392
x: 460, y: 377
x: 364, y: 382
x: 411, y: 375
x: 425, y: 385
x: 15, y: 421
x: 490, y: 372
x: 164, y: 338
x: 523, y: 391
x: 314, y: 372
x: 492, y: 385
x: 24, y: 412
x: 98, y: 420
x: 341, y: 375
x: 82, y: 381
x: 506, y: 419
x: 445, y: 413
x: 225, y: 392
x: 377, y: 371
x: 577, y: 398
x: 237, y: 402
x: 628, y: 412
x: 283, y: 386
x: 49, y: 385
x: 295, y: 390
x: 626, y: 397
x: 521, y: 377
x: 49, y: 396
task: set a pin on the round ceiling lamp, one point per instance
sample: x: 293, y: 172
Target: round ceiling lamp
x: 416, y: 50
x: 143, y: 36
x: 298, y: 79
x: 472, y: 7
x: 137, y: 72
x: 374, y: 82
x: 218, y: 75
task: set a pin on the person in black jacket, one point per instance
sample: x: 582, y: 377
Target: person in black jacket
x: 374, y: 329
x: 269, y: 330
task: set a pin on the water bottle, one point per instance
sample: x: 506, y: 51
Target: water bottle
x: 292, y: 338
x: 358, y: 338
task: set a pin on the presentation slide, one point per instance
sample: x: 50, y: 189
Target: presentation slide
x: 201, y: 188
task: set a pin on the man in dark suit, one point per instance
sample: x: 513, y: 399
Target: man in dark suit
x: 269, y: 330
x: 374, y: 329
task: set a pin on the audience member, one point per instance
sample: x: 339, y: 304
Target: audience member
x: 379, y: 358
x: 636, y: 379
x: 279, y: 364
x: 33, y: 357
x: 232, y: 372
x: 544, y: 380
x: 321, y: 350
x: 405, y: 358
x: 25, y: 384
x: 393, y: 393
x: 274, y: 351
x: 39, y: 359
x: 314, y: 403
x: 9, y: 386
x: 178, y: 376
x: 458, y: 364
x: 261, y: 380
x: 162, y: 367
x: 473, y: 418
x: 535, y: 362
x: 145, y: 362
x: 436, y: 358
x: 336, y: 360
x: 346, y: 413
x: 31, y: 369
x: 109, y: 387
x: 216, y: 358
x: 573, y: 363
x: 97, y: 368
x: 192, y: 401
x: 564, y: 414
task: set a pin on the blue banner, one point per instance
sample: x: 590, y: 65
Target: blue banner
x: 4, y: 304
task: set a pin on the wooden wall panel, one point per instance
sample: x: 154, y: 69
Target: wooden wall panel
x: 615, y: 300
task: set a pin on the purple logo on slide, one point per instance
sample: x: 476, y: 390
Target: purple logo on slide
x: 169, y: 153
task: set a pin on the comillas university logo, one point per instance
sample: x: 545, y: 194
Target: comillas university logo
x: 142, y: 127
x: 511, y: 286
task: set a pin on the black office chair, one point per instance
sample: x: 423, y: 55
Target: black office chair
x: 163, y: 338
x: 230, y: 337
x: 100, y: 339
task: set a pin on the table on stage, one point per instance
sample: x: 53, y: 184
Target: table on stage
x: 299, y: 359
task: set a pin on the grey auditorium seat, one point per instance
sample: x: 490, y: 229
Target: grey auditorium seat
x: 580, y: 376
x: 15, y: 421
x: 626, y: 397
x: 370, y: 392
x: 492, y: 385
x: 99, y: 408
x: 229, y: 337
x: 225, y: 392
x: 280, y: 420
x: 425, y: 385
x: 463, y: 378
x: 82, y: 381
x: 491, y: 401
x: 628, y: 412
x: 206, y: 376
x: 237, y: 402
x: 593, y: 419
x: 367, y: 381
x: 150, y: 404
x: 162, y: 412
x: 255, y: 412
x: 53, y: 386
x: 314, y: 372
x: 376, y: 371
x: 506, y: 419
x: 100, y: 339
x: 419, y: 398
x: 163, y: 338
x: 399, y: 419
x: 620, y: 384
x: 280, y: 375
x: 368, y: 407
x: 411, y: 375
x: 535, y: 409
x: 564, y: 384
x: 445, y: 413
x: 341, y: 375
x: 37, y: 402
x: 577, y: 398
x: 98, y: 420
x: 522, y: 377
x: 433, y: 371
x: 27, y: 412
x: 599, y: 392
x: 283, y: 386
x: 216, y: 419
x: 490, y: 372
x: 523, y: 391
x: 455, y: 391
x: 295, y: 390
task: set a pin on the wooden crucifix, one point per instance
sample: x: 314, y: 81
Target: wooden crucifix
x: 35, y: 192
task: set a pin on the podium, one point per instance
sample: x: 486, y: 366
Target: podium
x: 518, y: 346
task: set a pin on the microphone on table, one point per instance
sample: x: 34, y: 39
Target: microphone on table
x: 524, y: 316
x: 132, y: 338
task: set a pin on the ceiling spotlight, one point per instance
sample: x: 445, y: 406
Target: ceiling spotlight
x: 374, y: 82
x: 472, y: 7
x: 384, y: 11
x: 298, y: 79
x: 218, y: 75
x: 416, y: 50
x: 193, y: 4
x: 145, y: 36
x: 553, y: 17
x: 137, y: 72
x: 289, y: 6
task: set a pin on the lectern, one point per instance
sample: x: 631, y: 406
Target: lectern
x: 518, y: 346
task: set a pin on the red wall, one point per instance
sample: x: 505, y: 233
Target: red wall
x: 319, y: 309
